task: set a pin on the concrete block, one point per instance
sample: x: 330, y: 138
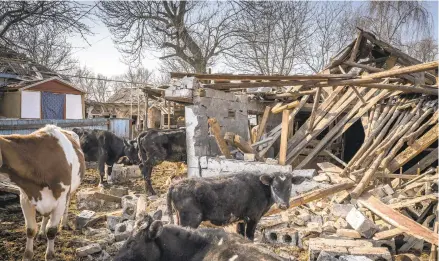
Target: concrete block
x: 123, y: 230
x: 326, y: 256
x: 88, y: 250
x: 341, y: 223
x: 115, y: 248
x: 306, y: 173
x: 249, y: 157
x: 321, y: 178
x: 329, y: 227
x: 374, y: 253
x: 85, y: 200
x: 354, y: 258
x: 317, y: 219
x: 388, y: 189
x: 363, y: 225
x: 142, y: 204
x: 387, y: 243
x: 341, y: 210
x: 129, y: 206
x: 118, y: 191
x: 83, y: 217
x: 314, y: 251
x: 314, y: 227
x: 271, y: 161
x: 286, y: 236
x: 348, y: 233
x: 112, y: 221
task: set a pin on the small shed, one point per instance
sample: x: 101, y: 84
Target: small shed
x: 51, y: 98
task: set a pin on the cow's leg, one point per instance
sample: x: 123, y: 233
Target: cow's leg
x: 250, y: 230
x: 146, y: 171
x: 240, y: 228
x: 42, y: 232
x: 109, y: 171
x: 102, y: 159
x: 31, y: 226
x: 52, y: 230
x: 65, y: 218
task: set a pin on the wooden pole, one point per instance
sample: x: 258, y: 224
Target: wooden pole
x: 404, y: 70
x: 287, y: 106
x: 284, y: 137
x: 262, y: 124
x: 356, y: 47
x: 216, y: 130
x: 314, y: 110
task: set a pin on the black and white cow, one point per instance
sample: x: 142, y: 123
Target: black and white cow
x: 156, y: 146
x: 157, y: 242
x: 226, y: 199
x: 106, y: 148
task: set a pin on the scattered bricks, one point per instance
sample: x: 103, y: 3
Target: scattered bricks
x: 304, y: 216
x: 325, y: 256
x: 112, y: 221
x: 142, y: 204
x: 329, y: 227
x: 411, y: 243
x: 354, y: 258
x: 88, y: 250
x: 314, y: 227
x: 306, y: 173
x: 379, y: 192
x: 83, y: 218
x: 387, y: 243
x: 374, y: 253
x: 118, y: 191
x: 388, y: 190
x: 123, y: 230
x: 102, y: 256
x: 317, y: 219
x: 85, y: 199
x: 118, y: 176
x: 271, y: 161
x: 108, y: 198
x: 348, y: 233
x: 314, y: 251
x: 363, y: 225
x: 129, y: 206
x: 115, y: 248
x: 321, y: 178
x: 287, y: 236
x: 341, y: 210
x: 132, y: 171
x: 386, y: 199
x: 341, y: 223
x: 249, y: 157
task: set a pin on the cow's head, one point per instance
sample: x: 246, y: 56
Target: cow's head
x: 131, y: 150
x: 280, y: 187
x: 143, y: 244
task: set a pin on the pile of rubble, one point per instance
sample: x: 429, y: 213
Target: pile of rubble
x: 335, y: 228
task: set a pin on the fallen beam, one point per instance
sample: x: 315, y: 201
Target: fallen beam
x: 397, y: 219
x: 391, y: 233
x: 216, y: 130
x: 413, y: 201
x: 246, y: 77
x: 311, y: 196
x: 261, y: 128
x: 403, y: 88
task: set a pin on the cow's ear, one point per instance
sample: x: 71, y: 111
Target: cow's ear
x: 157, y: 215
x: 155, y: 229
x: 266, y: 179
x: 296, y: 180
x: 125, y: 142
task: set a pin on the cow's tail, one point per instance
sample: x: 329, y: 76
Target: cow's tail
x: 169, y: 203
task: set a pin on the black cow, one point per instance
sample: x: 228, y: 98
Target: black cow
x: 157, y: 242
x: 106, y: 148
x: 226, y: 199
x: 156, y: 146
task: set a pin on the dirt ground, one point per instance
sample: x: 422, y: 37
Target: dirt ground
x: 13, y: 232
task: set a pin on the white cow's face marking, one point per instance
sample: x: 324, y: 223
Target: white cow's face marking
x: 233, y: 258
x: 220, y: 242
x: 282, y: 178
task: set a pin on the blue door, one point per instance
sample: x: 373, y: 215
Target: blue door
x: 53, y: 105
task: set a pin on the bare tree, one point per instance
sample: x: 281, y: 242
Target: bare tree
x: 269, y: 36
x: 24, y: 16
x: 333, y: 30
x: 96, y: 86
x: 46, y: 46
x: 425, y: 50
x: 194, y: 32
x: 396, y: 22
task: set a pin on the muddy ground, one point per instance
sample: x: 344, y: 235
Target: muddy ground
x: 13, y: 234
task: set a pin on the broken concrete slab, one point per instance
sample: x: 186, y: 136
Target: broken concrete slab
x: 374, y: 253
x: 83, y: 217
x: 85, y: 200
x: 88, y: 250
x: 341, y: 210
x: 129, y: 206
x: 112, y: 221
x: 354, y: 258
x: 123, y: 230
x: 326, y: 256
x: 118, y: 191
x: 341, y: 223
x: 362, y: 224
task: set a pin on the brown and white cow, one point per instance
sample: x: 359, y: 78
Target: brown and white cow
x: 47, y: 165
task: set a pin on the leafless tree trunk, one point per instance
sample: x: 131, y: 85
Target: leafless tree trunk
x: 193, y: 32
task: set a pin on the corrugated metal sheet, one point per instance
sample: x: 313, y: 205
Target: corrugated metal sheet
x: 120, y: 127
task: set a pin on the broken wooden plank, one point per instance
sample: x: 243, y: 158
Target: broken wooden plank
x: 391, y: 233
x: 288, y: 106
x: 314, y: 109
x: 425, y: 162
x: 335, y: 157
x: 413, y: 201
x: 354, y: 52
x: 413, y: 150
x: 311, y: 196
x: 402, y: 88
x: 216, y: 130
x: 397, y: 219
x: 404, y: 70
x: 284, y: 137
x: 333, y: 172
x: 249, y: 77
x: 433, y: 254
x: 262, y: 125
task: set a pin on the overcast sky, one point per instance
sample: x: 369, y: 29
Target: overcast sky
x: 101, y: 55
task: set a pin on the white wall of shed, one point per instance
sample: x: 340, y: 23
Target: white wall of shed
x: 30, y: 105
x: 73, y: 106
